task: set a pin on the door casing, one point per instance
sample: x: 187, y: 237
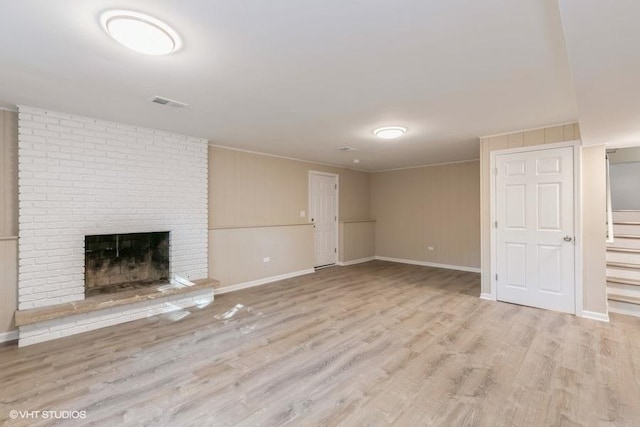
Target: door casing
x: 337, y: 213
x: 577, y: 211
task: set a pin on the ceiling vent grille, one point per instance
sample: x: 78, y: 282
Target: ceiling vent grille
x: 347, y: 149
x: 168, y: 102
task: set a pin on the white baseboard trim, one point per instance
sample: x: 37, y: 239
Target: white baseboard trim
x: 258, y: 282
x: 602, y: 317
x: 487, y: 297
x: 8, y: 336
x: 430, y: 264
x: 355, y: 261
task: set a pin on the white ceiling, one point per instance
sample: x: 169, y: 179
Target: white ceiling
x: 603, y: 38
x: 302, y: 78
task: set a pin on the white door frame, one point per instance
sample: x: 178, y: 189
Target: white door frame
x: 577, y: 209
x: 337, y: 196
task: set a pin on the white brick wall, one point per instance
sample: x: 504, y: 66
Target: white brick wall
x: 80, y: 176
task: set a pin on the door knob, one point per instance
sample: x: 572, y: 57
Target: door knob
x: 568, y: 238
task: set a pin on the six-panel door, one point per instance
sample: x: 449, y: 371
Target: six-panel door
x: 535, y: 228
x: 324, y: 214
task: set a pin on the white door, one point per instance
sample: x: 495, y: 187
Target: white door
x: 323, y: 212
x: 535, y: 230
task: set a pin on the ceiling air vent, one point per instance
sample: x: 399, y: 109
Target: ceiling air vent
x: 168, y: 102
x: 347, y: 149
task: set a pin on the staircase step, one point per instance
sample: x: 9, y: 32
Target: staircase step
x: 623, y: 265
x: 625, y: 250
x: 625, y: 243
x: 626, y: 227
x: 624, y: 257
x: 623, y: 298
x: 623, y: 273
x: 624, y: 308
x: 623, y: 281
x: 626, y: 216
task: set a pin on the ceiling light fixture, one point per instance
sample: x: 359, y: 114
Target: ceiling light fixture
x: 139, y: 32
x: 390, y: 132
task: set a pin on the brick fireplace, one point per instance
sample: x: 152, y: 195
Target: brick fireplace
x: 81, y: 177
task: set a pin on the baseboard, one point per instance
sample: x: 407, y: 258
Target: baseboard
x: 602, y: 317
x: 355, y: 261
x: 258, y: 282
x: 430, y: 264
x: 8, y: 336
x: 487, y: 297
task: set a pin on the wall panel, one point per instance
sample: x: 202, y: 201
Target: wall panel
x: 357, y: 240
x: 8, y: 218
x: 433, y: 206
x: 236, y: 255
x: 255, y: 202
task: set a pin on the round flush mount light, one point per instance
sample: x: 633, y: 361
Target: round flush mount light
x: 139, y: 32
x: 390, y: 132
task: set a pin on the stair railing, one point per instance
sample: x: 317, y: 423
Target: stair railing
x: 609, y: 209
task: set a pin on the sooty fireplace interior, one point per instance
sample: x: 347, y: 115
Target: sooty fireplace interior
x: 117, y: 262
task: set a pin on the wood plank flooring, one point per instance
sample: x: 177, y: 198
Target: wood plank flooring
x: 371, y: 344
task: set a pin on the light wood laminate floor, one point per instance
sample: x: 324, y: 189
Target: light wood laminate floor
x: 372, y: 344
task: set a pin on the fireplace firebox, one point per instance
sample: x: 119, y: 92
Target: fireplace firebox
x: 117, y: 262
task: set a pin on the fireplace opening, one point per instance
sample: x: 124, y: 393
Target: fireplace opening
x: 118, y: 262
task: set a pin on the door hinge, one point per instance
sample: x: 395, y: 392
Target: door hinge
x: 335, y: 186
x: 335, y: 218
x: 335, y: 250
x: 495, y: 224
x: 496, y: 277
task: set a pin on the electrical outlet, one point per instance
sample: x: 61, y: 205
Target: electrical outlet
x: 266, y: 259
x: 429, y: 248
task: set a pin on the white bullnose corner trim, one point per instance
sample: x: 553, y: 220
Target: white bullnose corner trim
x: 429, y: 264
x: 258, y: 282
x: 355, y: 261
x: 488, y: 297
x: 8, y: 336
x: 602, y: 317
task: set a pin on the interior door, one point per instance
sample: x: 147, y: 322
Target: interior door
x: 535, y: 228
x: 323, y: 212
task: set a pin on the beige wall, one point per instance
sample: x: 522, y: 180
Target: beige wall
x: 593, y: 183
x: 594, y: 231
x: 8, y: 218
x: 254, y: 189
x: 436, y: 206
x: 236, y: 254
x: 255, y: 198
x: 357, y: 240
